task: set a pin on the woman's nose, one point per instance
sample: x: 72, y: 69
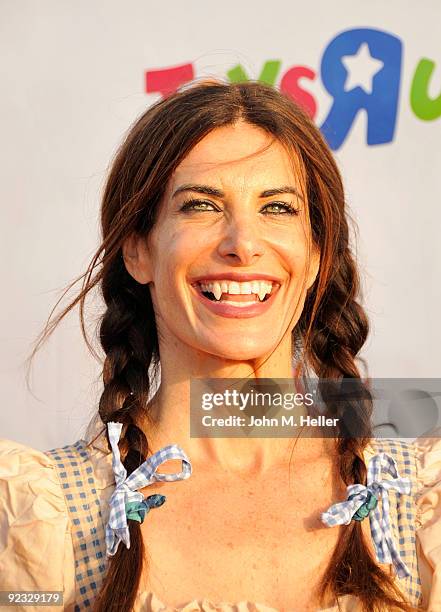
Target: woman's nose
x: 242, y: 242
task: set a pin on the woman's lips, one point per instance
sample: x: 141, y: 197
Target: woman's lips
x: 247, y: 305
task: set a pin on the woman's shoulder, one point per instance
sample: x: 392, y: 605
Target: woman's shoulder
x: 51, y: 518
x: 27, y: 474
x: 398, y: 448
x: 418, y: 459
x: 418, y: 517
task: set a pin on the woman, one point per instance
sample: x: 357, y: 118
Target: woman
x: 216, y: 188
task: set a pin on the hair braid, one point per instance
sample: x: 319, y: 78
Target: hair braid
x: 128, y: 337
x: 340, y: 330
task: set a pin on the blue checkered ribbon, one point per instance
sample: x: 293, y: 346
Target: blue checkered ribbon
x: 359, y: 495
x: 126, y: 491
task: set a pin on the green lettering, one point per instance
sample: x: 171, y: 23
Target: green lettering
x: 423, y: 106
x: 267, y: 75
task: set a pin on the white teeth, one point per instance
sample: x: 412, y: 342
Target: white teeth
x: 217, y: 291
x: 262, y: 293
x: 245, y: 288
x: 256, y: 287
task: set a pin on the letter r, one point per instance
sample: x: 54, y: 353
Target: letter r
x: 380, y: 103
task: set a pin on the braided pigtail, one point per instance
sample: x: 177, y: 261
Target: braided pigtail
x: 340, y: 330
x: 128, y: 337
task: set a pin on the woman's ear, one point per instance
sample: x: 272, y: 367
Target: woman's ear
x: 137, y: 258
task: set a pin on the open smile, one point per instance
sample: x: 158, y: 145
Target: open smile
x: 236, y: 299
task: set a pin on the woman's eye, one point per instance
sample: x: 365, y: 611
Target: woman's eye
x: 284, y: 208
x: 198, y: 205
x: 273, y: 208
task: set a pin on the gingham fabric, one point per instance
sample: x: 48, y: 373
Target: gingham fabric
x: 402, y: 511
x: 88, y: 531
x: 127, y: 487
x: 77, y: 480
x: 358, y: 495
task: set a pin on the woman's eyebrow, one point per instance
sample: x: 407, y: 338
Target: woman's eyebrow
x: 207, y: 190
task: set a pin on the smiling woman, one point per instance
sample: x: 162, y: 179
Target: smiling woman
x: 225, y: 246
x: 234, y: 227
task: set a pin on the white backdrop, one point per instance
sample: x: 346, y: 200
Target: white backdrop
x: 73, y: 77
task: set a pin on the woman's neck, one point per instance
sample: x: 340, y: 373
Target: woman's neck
x: 250, y: 457
x: 169, y: 413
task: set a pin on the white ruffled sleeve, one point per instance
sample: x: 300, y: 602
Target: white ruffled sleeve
x: 36, y: 551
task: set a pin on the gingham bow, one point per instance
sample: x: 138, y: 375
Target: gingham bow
x: 342, y: 513
x: 126, y: 491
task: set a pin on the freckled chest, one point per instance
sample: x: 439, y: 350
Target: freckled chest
x: 228, y: 540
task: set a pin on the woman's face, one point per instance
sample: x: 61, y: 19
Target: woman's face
x: 226, y: 261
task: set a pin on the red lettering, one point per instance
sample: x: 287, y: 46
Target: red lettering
x: 290, y: 85
x: 167, y: 80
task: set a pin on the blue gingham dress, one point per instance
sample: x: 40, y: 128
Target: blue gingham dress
x: 88, y: 530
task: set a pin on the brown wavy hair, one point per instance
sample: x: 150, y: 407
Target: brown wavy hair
x: 331, y: 330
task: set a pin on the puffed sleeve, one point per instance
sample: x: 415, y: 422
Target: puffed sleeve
x: 36, y: 551
x: 428, y: 527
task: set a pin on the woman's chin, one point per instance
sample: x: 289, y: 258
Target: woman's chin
x: 241, y: 350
